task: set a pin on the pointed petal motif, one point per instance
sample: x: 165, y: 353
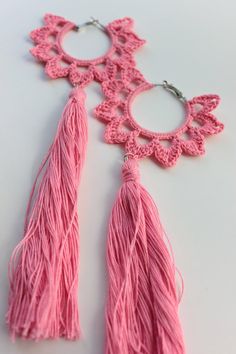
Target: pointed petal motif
x: 126, y: 59
x: 114, y: 133
x: 131, y: 75
x: 78, y: 77
x: 129, y: 41
x: 108, y: 73
x: 42, y: 51
x: 50, y: 19
x: 112, y: 87
x: 132, y: 42
x: 55, y: 69
x: 121, y: 57
x: 121, y: 24
x: 167, y: 156
x: 41, y: 35
x: 111, y: 69
x: 210, y: 125
x: 100, y: 74
x: 195, y: 145
x: 208, y: 103
x: 103, y: 110
x: 106, y: 111
x: 139, y: 150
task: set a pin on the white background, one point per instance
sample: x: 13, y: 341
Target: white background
x: 191, y: 44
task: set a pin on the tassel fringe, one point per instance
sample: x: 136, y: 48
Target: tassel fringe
x: 142, y: 308
x: 43, y: 268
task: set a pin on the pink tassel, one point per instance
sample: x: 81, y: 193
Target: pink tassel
x: 43, y: 268
x: 142, y: 309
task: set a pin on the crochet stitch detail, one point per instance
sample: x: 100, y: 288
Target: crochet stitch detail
x: 123, y: 44
x: 123, y: 129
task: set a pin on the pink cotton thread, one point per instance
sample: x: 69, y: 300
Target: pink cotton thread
x: 142, y: 306
x: 43, y: 269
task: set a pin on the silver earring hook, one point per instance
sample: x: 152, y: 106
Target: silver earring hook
x: 94, y: 22
x: 171, y: 88
x: 98, y: 24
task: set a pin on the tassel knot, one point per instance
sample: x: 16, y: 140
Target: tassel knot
x: 78, y: 93
x: 130, y: 171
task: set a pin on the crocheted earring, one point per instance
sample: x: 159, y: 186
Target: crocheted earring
x: 43, y: 269
x: 142, y: 305
x: 142, y: 308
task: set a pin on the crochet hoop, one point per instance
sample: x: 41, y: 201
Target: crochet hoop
x: 123, y: 128
x: 58, y: 63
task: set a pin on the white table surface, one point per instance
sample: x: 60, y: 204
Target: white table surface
x: 190, y: 43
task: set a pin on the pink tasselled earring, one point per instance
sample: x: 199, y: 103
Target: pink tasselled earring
x: 43, y: 269
x: 142, y: 304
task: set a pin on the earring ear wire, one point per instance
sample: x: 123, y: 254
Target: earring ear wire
x: 171, y: 88
x: 94, y: 22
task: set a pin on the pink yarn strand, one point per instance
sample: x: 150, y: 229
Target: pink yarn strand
x: 43, y: 269
x: 142, y: 307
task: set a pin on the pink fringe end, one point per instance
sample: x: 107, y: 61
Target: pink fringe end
x: 43, y: 268
x: 142, y: 308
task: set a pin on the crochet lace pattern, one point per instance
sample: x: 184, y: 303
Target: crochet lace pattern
x: 122, y: 127
x: 121, y: 82
x: 58, y: 63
